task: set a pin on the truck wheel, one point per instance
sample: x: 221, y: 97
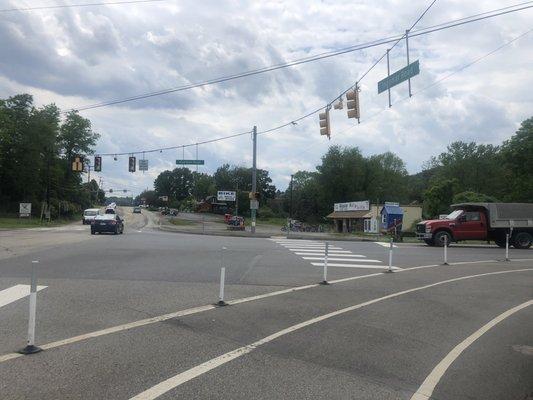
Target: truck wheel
x: 522, y: 240
x: 439, y: 238
x: 429, y: 242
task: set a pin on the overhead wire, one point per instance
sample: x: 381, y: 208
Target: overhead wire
x: 379, y: 42
x: 56, y: 6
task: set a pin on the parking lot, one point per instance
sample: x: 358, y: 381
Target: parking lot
x: 135, y: 316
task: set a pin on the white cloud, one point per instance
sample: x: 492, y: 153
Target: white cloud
x: 79, y: 56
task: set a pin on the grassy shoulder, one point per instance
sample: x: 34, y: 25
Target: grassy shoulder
x: 272, y: 221
x: 180, y: 222
x: 21, y: 223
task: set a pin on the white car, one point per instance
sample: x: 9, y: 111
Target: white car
x: 89, y: 215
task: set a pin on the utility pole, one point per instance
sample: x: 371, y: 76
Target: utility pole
x: 237, y: 199
x: 254, y: 176
x: 290, y: 206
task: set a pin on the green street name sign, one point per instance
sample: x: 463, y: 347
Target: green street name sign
x: 399, y: 76
x: 190, y: 162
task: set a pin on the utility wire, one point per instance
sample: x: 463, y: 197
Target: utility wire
x: 111, y: 3
x: 359, y: 80
x: 436, y: 28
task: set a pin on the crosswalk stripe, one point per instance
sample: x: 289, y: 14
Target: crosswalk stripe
x: 352, y: 266
x: 318, y: 250
x: 344, y: 255
x: 385, y: 244
x: 363, y: 260
x: 15, y: 293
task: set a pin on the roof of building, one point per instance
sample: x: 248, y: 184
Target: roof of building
x: 350, y: 214
x: 393, y: 210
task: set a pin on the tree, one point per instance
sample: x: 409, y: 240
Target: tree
x: 176, y: 184
x: 473, y: 197
x: 438, y: 198
x: 517, y: 156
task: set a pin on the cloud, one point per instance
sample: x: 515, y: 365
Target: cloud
x: 80, y: 56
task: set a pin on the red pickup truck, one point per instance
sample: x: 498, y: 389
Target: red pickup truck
x: 481, y: 221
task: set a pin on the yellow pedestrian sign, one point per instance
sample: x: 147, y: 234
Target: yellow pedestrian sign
x: 77, y: 164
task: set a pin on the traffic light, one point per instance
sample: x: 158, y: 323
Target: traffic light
x: 324, y: 123
x: 353, y: 103
x: 97, y: 164
x: 132, y: 164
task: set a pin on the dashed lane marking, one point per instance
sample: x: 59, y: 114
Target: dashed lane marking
x: 179, y: 379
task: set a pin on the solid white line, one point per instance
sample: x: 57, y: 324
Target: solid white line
x: 15, y: 293
x: 425, y: 391
x: 190, y: 311
x: 177, y: 380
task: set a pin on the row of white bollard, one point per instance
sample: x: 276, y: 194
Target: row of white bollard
x: 31, y: 348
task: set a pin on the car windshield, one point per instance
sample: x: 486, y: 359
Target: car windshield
x: 90, y: 213
x: 454, y: 215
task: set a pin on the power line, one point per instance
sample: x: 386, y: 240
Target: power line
x: 379, y: 42
x: 78, y: 5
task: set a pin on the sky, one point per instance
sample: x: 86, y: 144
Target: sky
x: 78, y: 56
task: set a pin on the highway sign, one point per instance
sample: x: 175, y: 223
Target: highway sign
x: 224, y: 195
x: 399, y: 76
x: 190, y: 162
x: 254, y: 204
x: 143, y: 165
x: 24, y: 209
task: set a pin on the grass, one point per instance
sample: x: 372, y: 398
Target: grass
x: 180, y: 222
x: 20, y: 223
x: 273, y: 221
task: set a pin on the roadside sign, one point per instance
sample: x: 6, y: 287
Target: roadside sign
x: 399, y: 76
x: 254, y: 204
x: 190, y: 162
x: 224, y: 195
x: 24, y: 209
x: 392, y: 203
x: 143, y: 165
x: 352, y: 206
x: 77, y: 164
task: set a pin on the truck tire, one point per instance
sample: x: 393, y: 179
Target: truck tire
x: 438, y: 238
x: 522, y: 240
x: 429, y: 242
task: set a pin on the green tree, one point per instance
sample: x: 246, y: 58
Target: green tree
x: 439, y: 197
x: 517, y: 155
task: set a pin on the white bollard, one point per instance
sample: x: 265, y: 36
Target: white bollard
x: 507, y: 247
x: 30, y: 347
x: 326, y: 254
x: 288, y: 227
x: 390, y: 256
x: 446, y: 250
x: 221, y: 301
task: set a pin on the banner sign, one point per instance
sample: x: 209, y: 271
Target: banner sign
x: 224, y: 195
x: 352, y: 206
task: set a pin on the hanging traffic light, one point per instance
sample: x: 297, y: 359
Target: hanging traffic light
x: 324, y: 123
x: 132, y: 164
x: 97, y: 164
x: 353, y: 103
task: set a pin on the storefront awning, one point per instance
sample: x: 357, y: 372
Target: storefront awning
x: 350, y: 214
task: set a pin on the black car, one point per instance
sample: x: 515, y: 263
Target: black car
x: 110, y: 223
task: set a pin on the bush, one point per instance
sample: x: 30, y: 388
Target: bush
x: 266, y: 213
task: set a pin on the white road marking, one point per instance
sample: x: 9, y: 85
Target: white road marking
x: 425, y: 391
x: 190, y: 311
x: 385, y: 244
x: 15, y: 293
x: 352, y: 266
x: 340, y: 259
x: 177, y: 380
x: 344, y: 255
x: 321, y: 251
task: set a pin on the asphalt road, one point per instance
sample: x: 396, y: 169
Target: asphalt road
x: 134, y: 315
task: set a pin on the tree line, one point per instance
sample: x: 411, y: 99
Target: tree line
x: 37, y: 145
x: 465, y: 172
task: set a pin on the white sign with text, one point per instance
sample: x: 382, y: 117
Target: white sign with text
x: 352, y: 206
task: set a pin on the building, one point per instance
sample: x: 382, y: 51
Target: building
x: 361, y: 216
